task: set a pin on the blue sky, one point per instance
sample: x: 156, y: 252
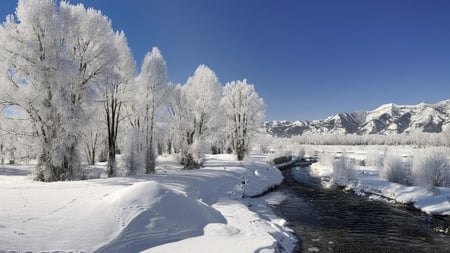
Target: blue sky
x: 307, y: 59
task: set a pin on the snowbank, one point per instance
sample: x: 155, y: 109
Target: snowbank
x: 183, y: 211
x: 369, y: 181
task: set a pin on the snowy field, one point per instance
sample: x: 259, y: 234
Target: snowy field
x: 204, y: 210
x: 367, y: 179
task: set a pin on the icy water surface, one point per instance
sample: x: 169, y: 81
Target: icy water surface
x: 331, y: 220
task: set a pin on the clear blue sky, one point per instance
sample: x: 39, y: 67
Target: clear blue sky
x: 307, y: 59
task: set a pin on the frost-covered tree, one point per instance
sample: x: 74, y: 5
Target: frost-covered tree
x: 244, y: 112
x: 50, y: 57
x: 196, y: 114
x: 183, y: 132
x: 115, y: 93
x: 153, y: 91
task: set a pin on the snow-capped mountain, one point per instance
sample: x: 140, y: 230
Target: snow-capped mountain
x: 386, y: 119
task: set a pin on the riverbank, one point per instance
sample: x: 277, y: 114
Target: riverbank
x: 202, y: 210
x: 368, y: 181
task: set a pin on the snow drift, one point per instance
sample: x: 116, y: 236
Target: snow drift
x: 190, y: 211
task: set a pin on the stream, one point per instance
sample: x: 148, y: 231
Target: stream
x: 332, y: 220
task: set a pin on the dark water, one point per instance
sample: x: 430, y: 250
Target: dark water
x: 331, y: 220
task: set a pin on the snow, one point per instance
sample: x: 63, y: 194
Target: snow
x: 241, y: 233
x: 202, y: 210
x: 431, y: 201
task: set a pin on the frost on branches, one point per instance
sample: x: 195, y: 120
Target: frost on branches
x: 150, y: 93
x: 51, y: 57
x: 153, y: 90
x: 244, y: 112
x: 114, y: 86
x: 72, y: 82
x: 197, y: 114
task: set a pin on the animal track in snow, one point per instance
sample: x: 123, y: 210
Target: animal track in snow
x: 61, y: 208
x: 30, y: 219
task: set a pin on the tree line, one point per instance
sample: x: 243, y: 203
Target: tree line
x: 70, y: 86
x: 415, y: 139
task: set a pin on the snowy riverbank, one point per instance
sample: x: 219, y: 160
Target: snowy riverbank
x: 368, y: 181
x: 183, y: 211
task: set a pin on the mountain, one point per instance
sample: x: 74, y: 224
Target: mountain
x: 386, y: 119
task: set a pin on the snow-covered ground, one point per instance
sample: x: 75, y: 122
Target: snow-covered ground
x: 202, y: 210
x: 368, y: 180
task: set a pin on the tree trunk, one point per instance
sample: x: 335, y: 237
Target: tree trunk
x: 187, y: 158
x: 111, y: 167
x: 150, y: 163
x: 150, y: 160
x: 71, y: 167
x: 49, y: 170
x: 160, y: 148
x: 92, y: 162
x: 240, y: 155
x: 112, y: 109
x: 90, y: 152
x: 67, y: 169
x: 169, y: 147
x: 188, y: 161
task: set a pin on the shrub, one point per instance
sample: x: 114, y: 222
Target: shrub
x: 376, y: 160
x: 301, y: 153
x: 343, y: 168
x: 432, y: 169
x: 397, y: 170
x: 326, y: 159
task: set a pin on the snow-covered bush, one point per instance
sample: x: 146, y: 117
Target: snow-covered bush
x: 326, y: 159
x: 301, y: 152
x: 263, y: 142
x: 432, y: 169
x: 375, y: 159
x: 343, y: 168
x: 397, y: 170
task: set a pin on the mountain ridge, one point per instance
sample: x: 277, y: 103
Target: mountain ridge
x: 386, y: 119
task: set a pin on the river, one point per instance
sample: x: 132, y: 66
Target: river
x: 332, y: 220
